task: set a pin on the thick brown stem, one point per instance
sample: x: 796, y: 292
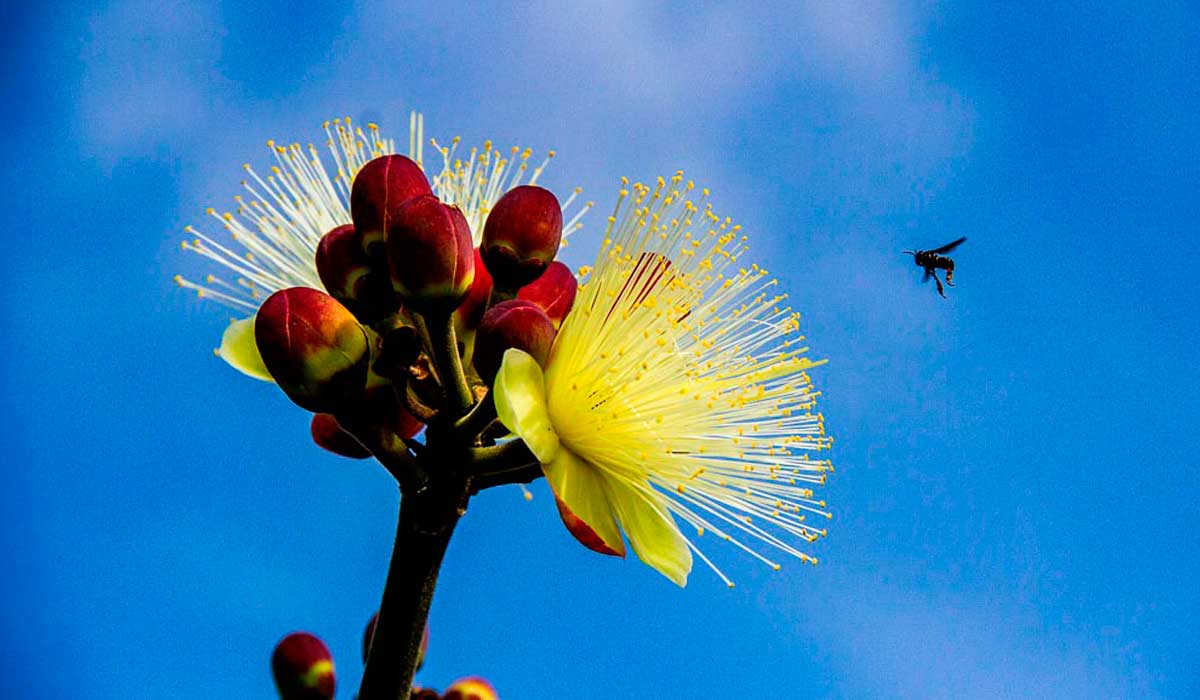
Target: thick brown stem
x: 426, y: 522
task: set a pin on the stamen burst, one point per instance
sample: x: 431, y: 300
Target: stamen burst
x: 681, y: 368
x: 276, y: 228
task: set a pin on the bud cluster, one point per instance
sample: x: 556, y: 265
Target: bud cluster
x: 303, y: 669
x: 414, y: 318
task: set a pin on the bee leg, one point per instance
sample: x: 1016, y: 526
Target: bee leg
x: 940, y: 289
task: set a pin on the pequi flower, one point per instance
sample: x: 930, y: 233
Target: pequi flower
x: 276, y: 229
x: 676, y: 396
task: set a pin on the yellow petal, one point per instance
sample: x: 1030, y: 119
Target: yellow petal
x: 520, y: 396
x: 583, y: 503
x: 650, y: 528
x: 241, y: 352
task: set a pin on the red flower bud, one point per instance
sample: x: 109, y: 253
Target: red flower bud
x: 313, y: 348
x: 350, y: 277
x: 303, y: 668
x: 521, y: 235
x: 380, y: 188
x: 470, y: 312
x: 512, y: 324
x: 430, y: 254
x: 470, y: 688
x: 327, y: 434
x: 554, y: 292
x: 370, y: 632
x: 423, y: 694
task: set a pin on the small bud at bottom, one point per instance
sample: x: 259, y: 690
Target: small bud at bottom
x: 303, y: 668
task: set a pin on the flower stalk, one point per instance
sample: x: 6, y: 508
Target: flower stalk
x: 426, y: 523
x: 446, y: 359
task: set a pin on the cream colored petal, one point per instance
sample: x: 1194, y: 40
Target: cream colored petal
x: 241, y: 352
x: 520, y: 396
x: 650, y: 528
x: 583, y: 503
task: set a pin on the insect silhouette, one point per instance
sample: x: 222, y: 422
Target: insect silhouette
x: 934, y: 260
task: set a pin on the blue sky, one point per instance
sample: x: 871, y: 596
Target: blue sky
x: 1015, y: 494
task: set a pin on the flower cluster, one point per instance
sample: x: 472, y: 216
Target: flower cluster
x: 663, y: 391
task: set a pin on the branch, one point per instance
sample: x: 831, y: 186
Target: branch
x: 477, y: 419
x: 423, y: 532
x: 505, y: 457
x: 520, y: 475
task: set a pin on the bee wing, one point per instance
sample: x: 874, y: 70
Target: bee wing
x: 948, y: 247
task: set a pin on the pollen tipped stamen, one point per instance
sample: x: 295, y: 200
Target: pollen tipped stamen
x: 278, y: 224
x: 683, y: 365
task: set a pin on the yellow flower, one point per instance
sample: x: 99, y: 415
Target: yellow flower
x: 274, y: 231
x: 676, y: 394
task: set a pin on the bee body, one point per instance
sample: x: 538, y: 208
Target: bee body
x: 933, y: 260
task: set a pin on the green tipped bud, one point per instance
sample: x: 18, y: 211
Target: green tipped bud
x: 554, y: 292
x: 313, y: 347
x: 350, y: 277
x: 303, y: 668
x: 430, y: 255
x: 512, y: 324
x: 521, y: 235
x: 380, y: 188
x: 470, y: 688
x: 327, y: 433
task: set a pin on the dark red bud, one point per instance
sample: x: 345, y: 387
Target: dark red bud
x: 470, y: 312
x: 430, y: 255
x: 471, y: 688
x: 370, y: 632
x: 380, y: 188
x: 313, y: 347
x: 303, y: 668
x: 521, y: 235
x: 350, y: 277
x: 512, y: 324
x: 326, y: 433
x: 423, y: 694
x: 554, y: 292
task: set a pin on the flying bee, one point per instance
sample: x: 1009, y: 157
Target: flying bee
x: 934, y: 260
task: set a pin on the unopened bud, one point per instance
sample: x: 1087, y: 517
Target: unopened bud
x: 370, y: 632
x: 313, y: 347
x: 470, y: 312
x: 521, y: 235
x: 430, y: 255
x: 554, y: 292
x: 423, y: 694
x: 303, y: 668
x: 512, y: 324
x: 380, y: 188
x: 470, y: 688
x: 350, y: 277
x: 328, y: 434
